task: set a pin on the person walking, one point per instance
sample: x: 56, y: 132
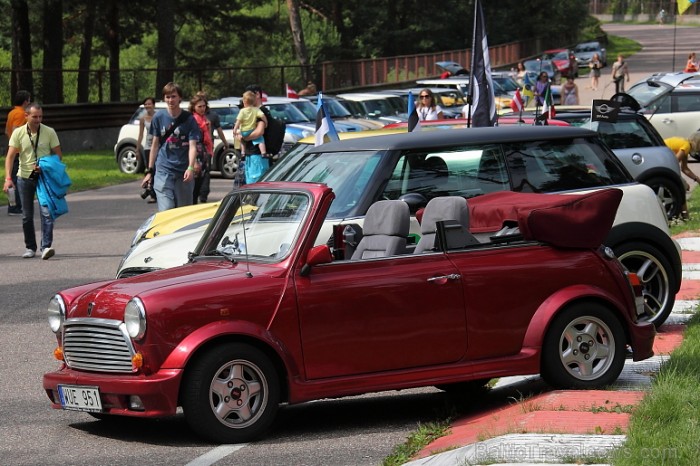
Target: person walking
x: 29, y: 143
x: 173, y: 152
x: 691, y: 66
x: 205, y: 148
x: 259, y: 131
x: 595, y: 65
x: 16, y: 118
x: 214, y: 125
x: 569, y: 92
x: 620, y: 73
x: 149, y: 104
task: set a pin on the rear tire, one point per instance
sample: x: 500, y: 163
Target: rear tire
x: 130, y: 160
x: 656, y: 275
x: 228, y: 164
x: 584, y: 348
x: 231, y: 393
x: 669, y: 194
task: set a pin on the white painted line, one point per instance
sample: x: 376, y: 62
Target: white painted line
x: 689, y: 244
x: 690, y: 267
x: 691, y: 275
x: 216, y: 454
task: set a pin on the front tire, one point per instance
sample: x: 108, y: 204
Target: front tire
x: 130, y: 160
x: 654, y: 271
x: 584, y: 348
x: 231, y: 394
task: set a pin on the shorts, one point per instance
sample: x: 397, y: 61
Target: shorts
x: 256, y: 141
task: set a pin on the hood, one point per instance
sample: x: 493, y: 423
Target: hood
x: 161, y: 252
x: 108, y: 299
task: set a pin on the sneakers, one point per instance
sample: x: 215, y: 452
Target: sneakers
x: 14, y: 212
x: 47, y: 253
x: 28, y: 254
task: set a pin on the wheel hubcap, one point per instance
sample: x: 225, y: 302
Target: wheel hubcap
x: 655, y: 282
x: 238, y: 394
x: 587, y: 348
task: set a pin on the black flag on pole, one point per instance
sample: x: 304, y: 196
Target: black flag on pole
x: 480, y: 83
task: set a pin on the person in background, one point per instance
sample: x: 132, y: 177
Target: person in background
x: 521, y: 74
x: 569, y: 92
x: 16, y: 118
x: 149, y: 104
x: 691, y: 66
x: 174, y: 156
x: 199, y: 108
x: 259, y: 131
x: 541, y: 87
x: 426, y: 107
x: 595, y: 65
x: 682, y: 148
x: 215, y: 125
x: 310, y: 89
x: 29, y: 143
x: 619, y: 73
x: 246, y: 122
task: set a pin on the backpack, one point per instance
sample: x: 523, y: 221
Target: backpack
x: 274, y: 133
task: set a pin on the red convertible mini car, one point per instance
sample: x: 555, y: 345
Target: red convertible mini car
x: 260, y: 316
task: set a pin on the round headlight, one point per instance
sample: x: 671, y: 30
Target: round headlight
x: 135, y: 318
x: 56, y: 313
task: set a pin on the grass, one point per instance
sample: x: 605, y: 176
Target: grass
x: 90, y: 170
x: 425, y: 434
x: 664, y: 427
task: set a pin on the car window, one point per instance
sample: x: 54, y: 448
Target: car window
x: 450, y: 99
x: 466, y: 172
x: 227, y: 116
x: 623, y: 134
x: 650, y: 96
x: 379, y: 107
x: 287, y: 113
x: 686, y: 102
x: 549, y: 166
x: 307, y: 108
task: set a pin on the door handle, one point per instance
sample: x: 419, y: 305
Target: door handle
x: 444, y: 278
x: 666, y: 121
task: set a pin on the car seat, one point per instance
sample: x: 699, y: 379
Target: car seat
x: 385, y: 230
x: 452, y: 208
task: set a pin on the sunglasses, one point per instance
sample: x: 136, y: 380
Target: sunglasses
x: 425, y: 97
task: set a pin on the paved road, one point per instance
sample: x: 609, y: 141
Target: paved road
x: 89, y: 242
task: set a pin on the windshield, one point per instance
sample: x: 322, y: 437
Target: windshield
x: 378, y: 107
x: 450, y: 99
x: 227, y: 116
x: 307, y: 108
x: 649, y: 93
x: 287, y: 113
x: 255, y: 226
x: 348, y: 174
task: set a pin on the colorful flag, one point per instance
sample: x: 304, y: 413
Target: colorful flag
x: 684, y: 5
x: 517, y: 103
x: 263, y: 96
x: 291, y: 93
x: 325, y: 130
x: 548, y: 106
x: 480, y: 83
x: 413, y: 120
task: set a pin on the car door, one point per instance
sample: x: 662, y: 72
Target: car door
x: 371, y: 315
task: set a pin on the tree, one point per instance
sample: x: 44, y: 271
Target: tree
x: 166, y: 44
x: 52, y: 83
x: 21, y: 48
x: 298, y: 37
x: 86, y: 53
x: 112, y: 39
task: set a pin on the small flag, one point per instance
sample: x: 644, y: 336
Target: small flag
x: 517, y: 103
x: 683, y: 5
x: 291, y: 93
x: 528, y: 95
x: 548, y: 107
x: 413, y: 120
x: 605, y: 110
x: 325, y: 130
x: 480, y: 81
x: 263, y: 96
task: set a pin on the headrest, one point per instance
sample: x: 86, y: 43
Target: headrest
x: 445, y: 208
x: 391, y: 218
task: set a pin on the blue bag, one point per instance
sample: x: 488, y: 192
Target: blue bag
x: 255, y: 167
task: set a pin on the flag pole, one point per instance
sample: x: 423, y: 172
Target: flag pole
x: 675, y: 14
x: 470, y: 95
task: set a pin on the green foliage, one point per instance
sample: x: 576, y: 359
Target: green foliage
x: 425, y: 434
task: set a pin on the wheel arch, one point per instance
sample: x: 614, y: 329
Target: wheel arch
x: 644, y: 232
x: 204, y: 339
x: 121, y: 144
x: 541, y: 322
x: 661, y: 172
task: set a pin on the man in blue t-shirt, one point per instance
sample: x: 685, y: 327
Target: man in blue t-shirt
x: 173, y: 152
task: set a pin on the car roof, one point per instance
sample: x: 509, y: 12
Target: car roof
x: 362, y: 96
x: 434, y: 139
x: 673, y: 79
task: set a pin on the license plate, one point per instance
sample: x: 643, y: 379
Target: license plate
x: 79, y: 398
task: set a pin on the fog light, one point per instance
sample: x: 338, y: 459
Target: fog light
x: 58, y: 354
x: 135, y: 403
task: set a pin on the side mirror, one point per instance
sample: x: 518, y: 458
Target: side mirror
x: 320, y: 254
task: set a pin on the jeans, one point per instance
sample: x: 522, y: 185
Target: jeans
x: 171, y: 190
x: 27, y: 191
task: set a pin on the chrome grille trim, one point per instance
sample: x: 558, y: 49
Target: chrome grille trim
x: 99, y: 345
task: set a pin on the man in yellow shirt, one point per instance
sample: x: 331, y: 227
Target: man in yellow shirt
x: 682, y: 148
x: 15, y: 119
